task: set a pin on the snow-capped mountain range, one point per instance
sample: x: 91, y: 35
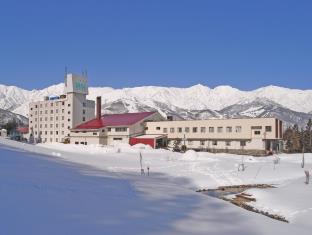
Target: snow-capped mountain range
x: 196, y: 102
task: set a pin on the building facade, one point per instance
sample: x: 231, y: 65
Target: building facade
x: 51, y: 119
x: 250, y: 135
x: 111, y: 128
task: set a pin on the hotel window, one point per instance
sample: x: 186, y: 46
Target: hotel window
x: 109, y: 129
x: 35, y: 125
x: 94, y: 133
x: 40, y: 125
x: 242, y: 143
x: 238, y: 129
x: 51, y: 125
x: 56, y: 140
x: 62, y: 124
x: 56, y: 110
x: 76, y: 142
x: 194, y: 129
x: 211, y: 129
x: 36, y: 106
x: 203, y: 129
x: 62, y: 132
x: 51, y: 104
x: 268, y: 128
x: 63, y: 103
x: 40, y: 119
x: 171, y: 130
x: 57, y: 132
x: 68, y: 105
x: 68, y: 112
x: 121, y: 129
x: 51, y: 132
x: 36, y: 113
x: 257, y: 132
x: 187, y: 129
x: 46, y: 125
x: 40, y: 112
x: 165, y: 130
x: 202, y: 142
x: 214, y: 142
x: 46, y: 111
x: 256, y: 127
x: 46, y: 118
x: 68, y: 119
x: 220, y: 129
x: 51, y: 118
x: 35, y: 132
x: 84, y: 104
x: 180, y: 129
x: 228, y: 129
x: 83, y: 119
x: 40, y: 105
x: 56, y: 118
x: 158, y: 128
x: 56, y: 125
x: 62, y: 110
x: 62, y: 117
x: 31, y: 108
x: 228, y: 143
x: 68, y: 127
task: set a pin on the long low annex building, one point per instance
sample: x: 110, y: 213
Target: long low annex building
x: 255, y: 136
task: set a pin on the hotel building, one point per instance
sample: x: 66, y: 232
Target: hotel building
x: 51, y: 119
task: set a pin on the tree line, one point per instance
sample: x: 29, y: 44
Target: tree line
x: 298, y: 139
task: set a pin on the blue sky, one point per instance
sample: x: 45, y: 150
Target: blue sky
x: 245, y: 44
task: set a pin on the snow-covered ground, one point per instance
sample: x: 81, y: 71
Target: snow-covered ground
x: 68, y: 189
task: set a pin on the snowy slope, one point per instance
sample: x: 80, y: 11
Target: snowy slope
x: 49, y: 193
x: 187, y: 103
x: 7, y: 116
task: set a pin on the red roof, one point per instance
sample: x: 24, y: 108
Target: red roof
x: 125, y: 119
x: 23, y: 130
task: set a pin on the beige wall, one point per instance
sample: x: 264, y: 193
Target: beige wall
x: 237, y: 134
x: 245, y: 125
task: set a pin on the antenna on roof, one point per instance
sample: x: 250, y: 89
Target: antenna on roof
x: 86, y: 73
x: 66, y: 75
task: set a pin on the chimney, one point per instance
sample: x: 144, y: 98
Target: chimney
x: 98, y: 107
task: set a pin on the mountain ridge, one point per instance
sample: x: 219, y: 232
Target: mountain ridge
x: 194, y: 102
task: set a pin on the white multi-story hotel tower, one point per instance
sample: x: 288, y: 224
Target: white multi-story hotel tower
x: 50, y: 120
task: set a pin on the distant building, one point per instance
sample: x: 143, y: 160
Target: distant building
x: 111, y: 128
x: 51, y: 119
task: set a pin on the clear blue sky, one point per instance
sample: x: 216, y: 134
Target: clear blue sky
x: 245, y: 44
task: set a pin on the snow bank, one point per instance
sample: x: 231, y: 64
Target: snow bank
x: 190, y: 155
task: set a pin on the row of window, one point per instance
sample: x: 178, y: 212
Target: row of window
x: 51, y: 126
x: 51, y: 104
x: 215, y: 142
x: 228, y: 129
x: 51, y: 133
